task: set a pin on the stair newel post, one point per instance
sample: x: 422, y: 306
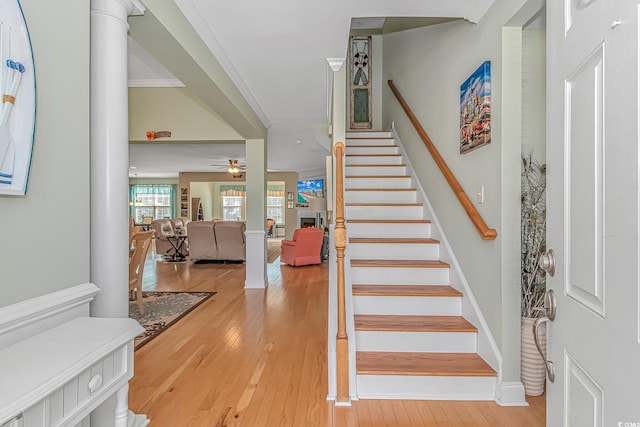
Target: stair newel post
x: 340, y: 238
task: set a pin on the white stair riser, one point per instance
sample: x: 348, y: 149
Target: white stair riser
x: 381, y: 182
x: 408, y: 306
x: 400, y: 275
x: 396, y: 250
x: 373, y: 135
x: 432, y: 342
x: 384, y: 212
x: 388, y: 229
x: 399, y: 170
x: 382, y: 149
x: 374, y: 160
x: 377, y: 196
x: 408, y: 387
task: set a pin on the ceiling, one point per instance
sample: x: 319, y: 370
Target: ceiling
x: 278, y: 63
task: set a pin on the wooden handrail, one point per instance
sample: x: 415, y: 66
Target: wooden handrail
x: 486, y: 233
x: 340, y: 238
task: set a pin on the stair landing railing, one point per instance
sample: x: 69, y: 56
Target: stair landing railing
x: 340, y: 239
x: 485, y: 232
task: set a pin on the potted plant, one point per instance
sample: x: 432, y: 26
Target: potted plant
x: 533, y: 225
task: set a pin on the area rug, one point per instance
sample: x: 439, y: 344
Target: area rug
x: 273, y: 252
x: 163, y: 309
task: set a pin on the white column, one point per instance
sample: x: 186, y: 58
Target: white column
x: 110, y: 155
x: 256, y: 265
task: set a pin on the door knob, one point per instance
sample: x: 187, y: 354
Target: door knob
x: 548, y: 262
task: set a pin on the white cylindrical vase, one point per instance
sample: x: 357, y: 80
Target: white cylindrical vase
x: 532, y: 371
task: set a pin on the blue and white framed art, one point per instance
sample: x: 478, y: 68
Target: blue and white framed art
x: 18, y: 108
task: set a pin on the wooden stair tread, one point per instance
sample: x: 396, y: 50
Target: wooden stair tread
x: 389, y: 221
x: 379, y: 189
x: 427, y: 364
x: 411, y: 263
x: 414, y: 323
x: 405, y: 290
x: 416, y: 240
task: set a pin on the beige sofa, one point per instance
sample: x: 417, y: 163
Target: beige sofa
x: 217, y: 241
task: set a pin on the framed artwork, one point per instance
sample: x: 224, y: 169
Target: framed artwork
x: 475, y: 109
x: 360, y: 82
x: 309, y: 189
x: 18, y: 107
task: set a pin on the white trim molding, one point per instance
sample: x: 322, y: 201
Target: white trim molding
x: 335, y: 63
x: 40, y: 310
x: 510, y: 394
x: 155, y: 83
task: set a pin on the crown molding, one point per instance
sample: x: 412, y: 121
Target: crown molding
x: 155, y: 83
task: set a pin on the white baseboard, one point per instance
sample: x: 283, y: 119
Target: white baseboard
x: 137, y: 420
x: 26, y: 318
x: 510, y: 394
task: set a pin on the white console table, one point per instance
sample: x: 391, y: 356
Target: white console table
x: 58, y: 376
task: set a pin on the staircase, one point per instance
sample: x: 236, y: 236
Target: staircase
x: 411, y: 338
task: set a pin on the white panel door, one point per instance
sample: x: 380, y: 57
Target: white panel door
x: 592, y: 172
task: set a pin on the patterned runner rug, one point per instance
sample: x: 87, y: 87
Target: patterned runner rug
x: 273, y: 252
x: 163, y: 309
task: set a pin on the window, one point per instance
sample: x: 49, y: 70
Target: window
x: 233, y: 199
x: 275, y: 208
x: 275, y: 202
x: 152, y: 200
x: 233, y: 208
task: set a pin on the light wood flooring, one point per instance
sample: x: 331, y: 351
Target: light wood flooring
x: 258, y: 358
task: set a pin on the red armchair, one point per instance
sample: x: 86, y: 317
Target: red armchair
x: 304, y: 248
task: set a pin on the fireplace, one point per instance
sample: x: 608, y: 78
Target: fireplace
x: 307, y: 222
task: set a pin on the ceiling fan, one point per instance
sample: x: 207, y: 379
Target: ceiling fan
x: 233, y: 167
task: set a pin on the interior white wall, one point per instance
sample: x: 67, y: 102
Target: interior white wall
x: 176, y: 110
x: 54, y: 214
x: 534, y: 90
x: 428, y: 66
x: 204, y: 191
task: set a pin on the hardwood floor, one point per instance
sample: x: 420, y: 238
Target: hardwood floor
x: 258, y: 358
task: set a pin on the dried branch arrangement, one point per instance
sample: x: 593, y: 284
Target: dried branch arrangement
x: 533, y: 226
